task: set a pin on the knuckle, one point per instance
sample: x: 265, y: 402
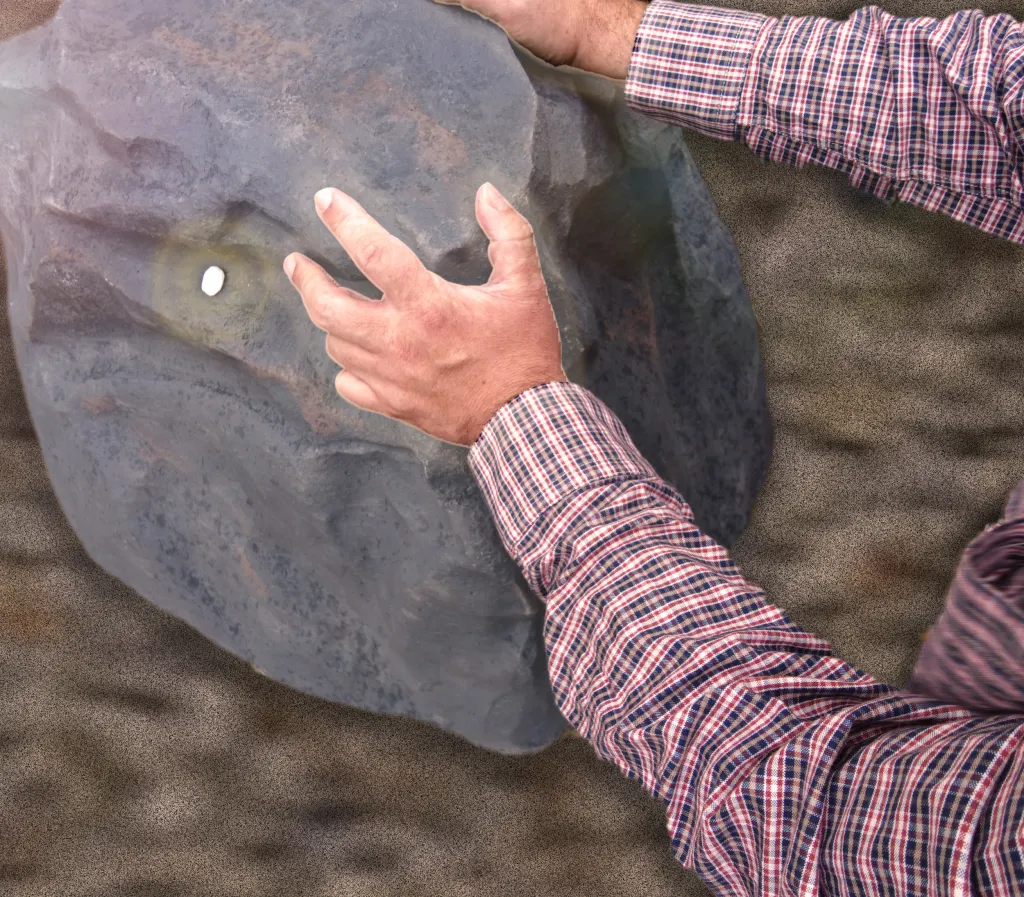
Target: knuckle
x: 432, y: 316
x: 401, y: 349
x: 374, y: 329
x: 370, y: 249
x: 318, y: 305
x: 525, y: 228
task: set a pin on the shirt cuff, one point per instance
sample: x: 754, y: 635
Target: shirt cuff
x: 544, y: 445
x: 689, y: 65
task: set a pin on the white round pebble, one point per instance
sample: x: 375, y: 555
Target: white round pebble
x: 213, y: 280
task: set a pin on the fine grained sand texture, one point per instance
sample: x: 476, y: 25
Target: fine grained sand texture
x: 137, y: 759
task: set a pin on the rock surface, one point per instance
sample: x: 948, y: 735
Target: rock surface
x: 196, y: 443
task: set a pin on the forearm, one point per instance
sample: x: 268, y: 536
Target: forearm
x: 922, y: 110
x: 606, y: 44
x: 640, y: 603
x: 765, y: 748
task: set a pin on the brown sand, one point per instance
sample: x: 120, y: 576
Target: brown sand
x: 137, y: 759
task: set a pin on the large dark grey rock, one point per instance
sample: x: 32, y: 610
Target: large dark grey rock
x: 197, y: 445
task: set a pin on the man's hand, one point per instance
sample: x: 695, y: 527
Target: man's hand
x: 436, y: 355
x: 594, y: 35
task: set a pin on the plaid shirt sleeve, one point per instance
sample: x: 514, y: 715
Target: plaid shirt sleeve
x: 927, y: 111
x: 783, y: 769
x: 974, y: 654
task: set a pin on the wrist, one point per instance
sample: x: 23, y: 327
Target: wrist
x: 606, y: 44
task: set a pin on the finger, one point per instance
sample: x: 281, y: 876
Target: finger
x: 333, y: 308
x: 358, y: 392
x: 386, y: 261
x: 513, y: 249
x: 351, y: 357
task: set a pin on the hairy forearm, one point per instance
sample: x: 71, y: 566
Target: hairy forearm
x: 606, y: 43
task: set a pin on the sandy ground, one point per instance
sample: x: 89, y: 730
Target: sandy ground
x: 137, y: 759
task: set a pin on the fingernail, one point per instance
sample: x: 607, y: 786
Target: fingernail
x: 323, y: 199
x: 289, y: 265
x: 494, y: 199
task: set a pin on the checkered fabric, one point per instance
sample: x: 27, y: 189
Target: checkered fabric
x: 927, y: 111
x: 974, y: 654
x: 783, y: 769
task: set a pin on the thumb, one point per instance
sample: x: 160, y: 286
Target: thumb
x: 513, y: 250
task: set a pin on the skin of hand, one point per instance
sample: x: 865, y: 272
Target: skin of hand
x: 594, y: 35
x: 436, y: 355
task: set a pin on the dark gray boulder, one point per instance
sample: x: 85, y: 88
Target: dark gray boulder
x: 196, y: 443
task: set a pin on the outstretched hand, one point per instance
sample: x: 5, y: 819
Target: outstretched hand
x: 436, y: 355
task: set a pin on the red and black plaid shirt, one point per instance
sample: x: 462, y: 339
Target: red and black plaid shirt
x: 785, y: 770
